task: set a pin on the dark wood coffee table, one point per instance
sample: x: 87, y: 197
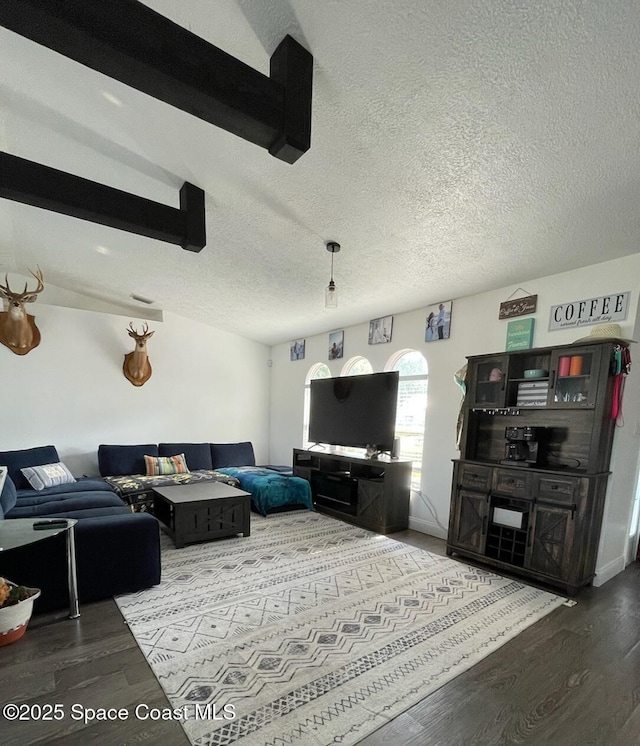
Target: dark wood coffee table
x: 202, y: 511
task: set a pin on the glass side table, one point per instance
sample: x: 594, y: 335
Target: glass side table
x: 19, y: 532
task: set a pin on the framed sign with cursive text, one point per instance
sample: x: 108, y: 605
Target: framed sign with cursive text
x: 518, y: 307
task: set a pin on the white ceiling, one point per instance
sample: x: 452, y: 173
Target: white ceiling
x: 456, y: 147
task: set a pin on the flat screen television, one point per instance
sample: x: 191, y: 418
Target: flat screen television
x: 354, y: 411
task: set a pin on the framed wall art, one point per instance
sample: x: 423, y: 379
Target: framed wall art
x: 336, y: 345
x: 297, y: 350
x: 520, y: 334
x: 380, y: 330
x: 518, y: 306
x: 438, y: 324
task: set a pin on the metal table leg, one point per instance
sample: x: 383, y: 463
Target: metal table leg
x: 74, y: 609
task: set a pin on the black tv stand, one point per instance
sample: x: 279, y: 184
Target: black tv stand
x: 371, y: 493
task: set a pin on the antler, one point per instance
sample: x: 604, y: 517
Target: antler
x: 134, y: 333
x: 5, y: 290
x: 39, y: 277
x: 26, y: 296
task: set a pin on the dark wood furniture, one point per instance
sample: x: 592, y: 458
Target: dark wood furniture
x: 371, y: 493
x: 541, y: 520
x: 201, y: 512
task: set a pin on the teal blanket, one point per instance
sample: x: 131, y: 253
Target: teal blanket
x: 269, y: 489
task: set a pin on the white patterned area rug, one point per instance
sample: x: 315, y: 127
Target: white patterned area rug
x: 312, y: 631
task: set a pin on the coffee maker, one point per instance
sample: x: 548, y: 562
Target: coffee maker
x: 524, y: 446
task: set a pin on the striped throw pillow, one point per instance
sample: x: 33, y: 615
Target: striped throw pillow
x: 47, y: 475
x: 156, y: 465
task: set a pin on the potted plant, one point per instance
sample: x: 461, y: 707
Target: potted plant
x: 16, y: 606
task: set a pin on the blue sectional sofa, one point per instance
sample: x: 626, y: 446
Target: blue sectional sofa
x: 116, y: 551
x: 123, y: 469
x: 271, y: 488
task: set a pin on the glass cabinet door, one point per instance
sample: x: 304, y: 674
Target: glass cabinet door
x: 487, y: 382
x: 574, y: 377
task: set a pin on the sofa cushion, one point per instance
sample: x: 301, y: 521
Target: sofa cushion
x: 46, y: 504
x: 232, y: 454
x: 17, y: 460
x: 155, y: 465
x: 114, y: 461
x: 82, y: 513
x: 198, y: 455
x: 269, y: 489
x: 82, y: 484
x: 8, y: 496
x: 47, y: 475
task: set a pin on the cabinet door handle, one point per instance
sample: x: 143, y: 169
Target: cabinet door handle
x: 529, y: 532
x: 484, y: 525
x: 552, y: 381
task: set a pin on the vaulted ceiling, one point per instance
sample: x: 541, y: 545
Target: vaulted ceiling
x: 455, y: 148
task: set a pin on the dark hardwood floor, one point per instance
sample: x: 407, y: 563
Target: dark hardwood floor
x: 572, y: 678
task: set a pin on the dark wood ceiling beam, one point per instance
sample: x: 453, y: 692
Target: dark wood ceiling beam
x: 130, y: 42
x: 42, y: 186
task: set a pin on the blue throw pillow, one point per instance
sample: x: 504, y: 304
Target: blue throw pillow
x: 8, y: 496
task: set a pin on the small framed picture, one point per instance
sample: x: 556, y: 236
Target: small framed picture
x: 520, y: 334
x: 380, y: 330
x: 336, y: 345
x: 296, y: 351
x: 438, y: 324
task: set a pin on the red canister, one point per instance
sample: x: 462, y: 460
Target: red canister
x: 575, y: 368
x: 564, y: 365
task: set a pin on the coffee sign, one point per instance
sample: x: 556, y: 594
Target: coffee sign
x: 518, y: 307
x: 591, y: 311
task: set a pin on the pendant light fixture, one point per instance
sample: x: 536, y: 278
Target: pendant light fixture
x: 331, y: 293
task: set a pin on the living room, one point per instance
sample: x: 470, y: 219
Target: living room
x: 224, y: 319
x: 237, y: 389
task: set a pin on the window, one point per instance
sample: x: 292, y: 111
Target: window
x: 357, y: 366
x: 319, y: 370
x: 412, y: 407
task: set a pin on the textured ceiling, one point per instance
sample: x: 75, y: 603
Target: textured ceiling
x: 456, y: 147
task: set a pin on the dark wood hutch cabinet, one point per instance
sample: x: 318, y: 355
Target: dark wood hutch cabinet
x: 529, y: 487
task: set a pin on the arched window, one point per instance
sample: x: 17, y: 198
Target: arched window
x: 357, y: 366
x: 412, y: 407
x: 319, y: 370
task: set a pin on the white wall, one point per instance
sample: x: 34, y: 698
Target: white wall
x: 206, y: 386
x: 475, y: 329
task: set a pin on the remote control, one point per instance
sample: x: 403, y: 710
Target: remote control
x: 51, y: 523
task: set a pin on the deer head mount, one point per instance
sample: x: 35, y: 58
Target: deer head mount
x: 18, y: 330
x: 136, y: 366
